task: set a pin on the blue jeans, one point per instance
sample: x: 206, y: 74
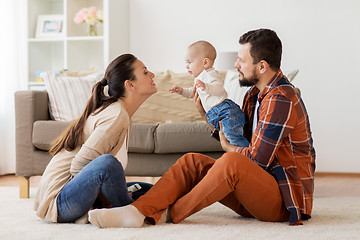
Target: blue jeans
x: 233, y: 121
x: 104, y: 174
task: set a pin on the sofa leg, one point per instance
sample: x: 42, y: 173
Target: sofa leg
x: 24, y: 187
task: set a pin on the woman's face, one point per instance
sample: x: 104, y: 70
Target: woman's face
x: 143, y: 83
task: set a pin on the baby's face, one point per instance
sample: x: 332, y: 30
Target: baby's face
x: 194, y: 62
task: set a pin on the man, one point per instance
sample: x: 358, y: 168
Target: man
x: 271, y: 180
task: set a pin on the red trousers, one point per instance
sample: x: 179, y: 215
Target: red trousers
x: 196, y: 181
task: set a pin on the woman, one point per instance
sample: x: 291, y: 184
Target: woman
x: 89, y: 158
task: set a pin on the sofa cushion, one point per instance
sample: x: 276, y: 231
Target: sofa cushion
x: 141, y: 135
x: 141, y: 138
x: 185, y: 137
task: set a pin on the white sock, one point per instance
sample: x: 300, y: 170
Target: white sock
x: 127, y: 216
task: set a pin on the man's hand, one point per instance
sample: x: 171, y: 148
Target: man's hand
x: 225, y: 144
x: 198, y: 103
x: 200, y: 108
x: 200, y: 84
x: 176, y: 89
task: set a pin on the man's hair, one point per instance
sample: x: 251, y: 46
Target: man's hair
x: 264, y: 45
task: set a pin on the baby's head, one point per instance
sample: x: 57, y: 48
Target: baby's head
x: 199, y: 56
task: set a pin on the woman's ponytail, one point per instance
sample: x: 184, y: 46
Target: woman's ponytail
x: 73, y: 135
x: 118, y: 71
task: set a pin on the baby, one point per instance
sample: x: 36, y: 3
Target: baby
x: 200, y: 57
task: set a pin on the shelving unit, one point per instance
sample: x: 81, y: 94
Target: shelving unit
x: 75, y: 50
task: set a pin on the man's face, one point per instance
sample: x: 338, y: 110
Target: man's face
x: 245, y: 66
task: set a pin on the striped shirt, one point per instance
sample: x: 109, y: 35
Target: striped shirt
x: 282, y: 143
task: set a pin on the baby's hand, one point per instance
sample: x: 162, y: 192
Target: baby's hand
x: 177, y: 89
x: 200, y: 84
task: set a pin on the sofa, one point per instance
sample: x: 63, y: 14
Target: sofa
x: 154, y: 144
x: 164, y: 128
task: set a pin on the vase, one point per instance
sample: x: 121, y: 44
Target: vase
x: 92, y: 30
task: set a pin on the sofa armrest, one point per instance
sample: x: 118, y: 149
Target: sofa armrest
x: 30, y: 106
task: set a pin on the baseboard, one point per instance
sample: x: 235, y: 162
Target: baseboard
x: 336, y: 174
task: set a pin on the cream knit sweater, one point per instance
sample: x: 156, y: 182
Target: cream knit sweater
x: 103, y: 133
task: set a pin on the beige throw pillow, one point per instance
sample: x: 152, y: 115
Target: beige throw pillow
x: 164, y: 106
x: 68, y: 95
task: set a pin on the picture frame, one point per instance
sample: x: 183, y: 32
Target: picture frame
x: 49, y: 26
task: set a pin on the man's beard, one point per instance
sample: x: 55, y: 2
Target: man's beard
x: 250, y: 81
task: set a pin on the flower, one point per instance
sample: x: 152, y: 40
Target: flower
x: 99, y: 15
x: 80, y: 16
x: 90, y: 16
x: 92, y: 10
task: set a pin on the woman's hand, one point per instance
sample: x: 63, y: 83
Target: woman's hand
x: 225, y: 144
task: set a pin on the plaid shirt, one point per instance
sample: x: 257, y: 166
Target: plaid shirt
x: 282, y: 143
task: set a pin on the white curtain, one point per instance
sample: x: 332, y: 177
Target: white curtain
x: 12, y: 62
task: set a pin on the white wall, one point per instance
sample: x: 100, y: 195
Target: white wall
x: 320, y: 37
x: 11, y: 62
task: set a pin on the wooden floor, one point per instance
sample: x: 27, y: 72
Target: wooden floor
x: 326, y: 184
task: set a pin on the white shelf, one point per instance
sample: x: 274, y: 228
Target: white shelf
x: 37, y: 86
x: 36, y: 83
x: 86, y: 38
x: 30, y: 40
x: 75, y: 50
